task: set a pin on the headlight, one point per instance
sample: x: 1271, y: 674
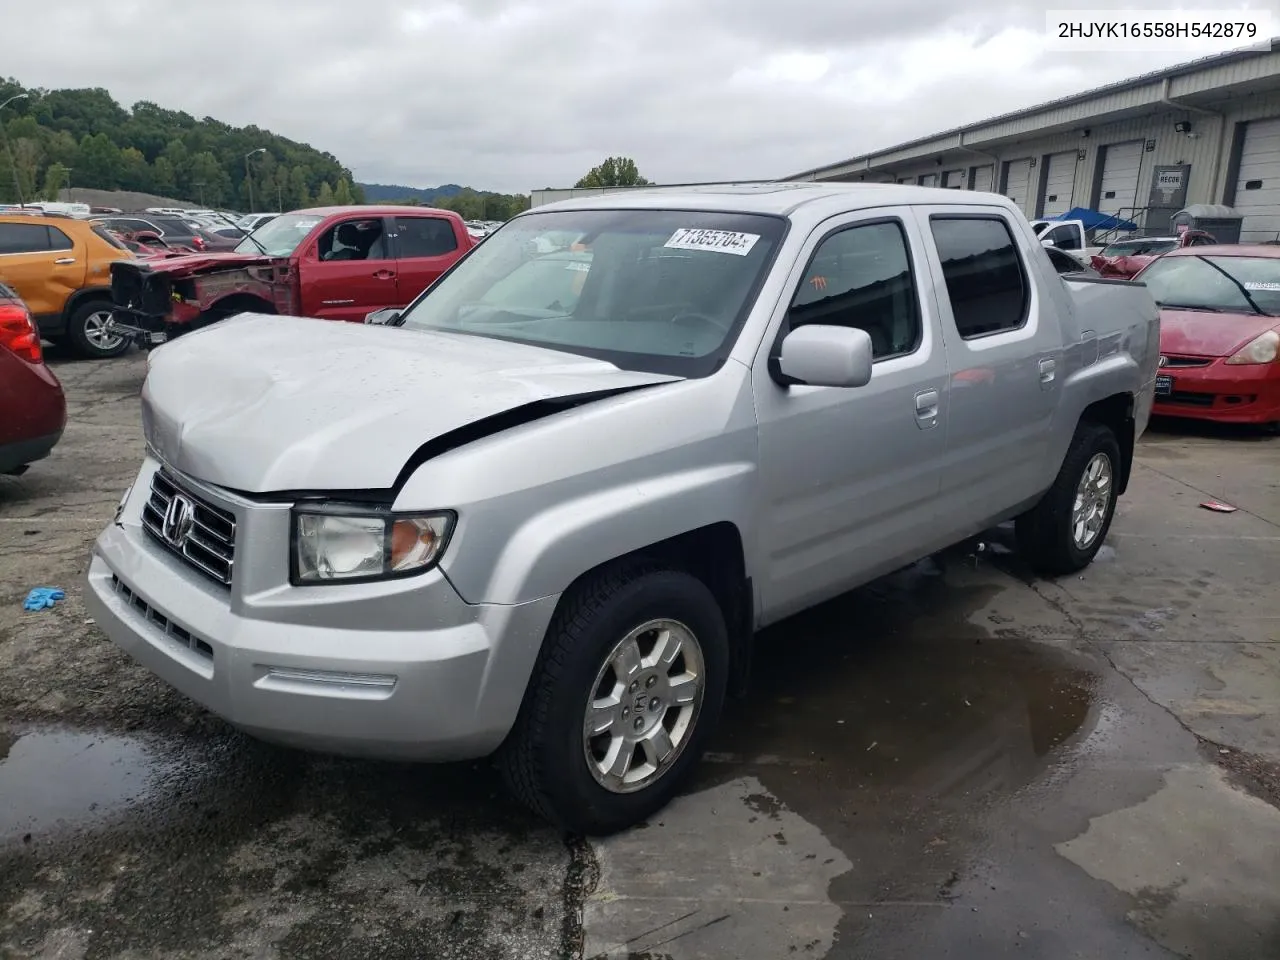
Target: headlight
x: 1261, y: 349
x: 337, y: 544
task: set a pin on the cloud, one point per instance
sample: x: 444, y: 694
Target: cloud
x: 514, y: 95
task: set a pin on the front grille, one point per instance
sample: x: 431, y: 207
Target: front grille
x: 165, y: 625
x: 140, y: 290
x: 1189, y: 398
x: 205, y: 536
x: 1186, y: 361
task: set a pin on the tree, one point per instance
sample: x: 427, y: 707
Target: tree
x: 298, y: 196
x: 98, y: 163
x: 164, y: 180
x: 614, y: 172
x: 55, y: 179
x: 324, y: 196
x: 342, y: 193
x: 135, y: 172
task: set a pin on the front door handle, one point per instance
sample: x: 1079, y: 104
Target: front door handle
x: 384, y: 274
x: 63, y: 261
x: 926, y: 409
x: 1048, y: 370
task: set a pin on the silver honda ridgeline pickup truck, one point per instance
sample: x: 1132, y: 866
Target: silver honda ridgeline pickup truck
x: 540, y: 512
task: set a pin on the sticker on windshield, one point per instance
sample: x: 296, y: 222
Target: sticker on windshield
x: 579, y: 267
x: 722, y: 241
x: 1261, y: 285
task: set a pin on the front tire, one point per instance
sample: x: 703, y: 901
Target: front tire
x: 1065, y: 530
x: 627, y: 689
x: 89, y: 334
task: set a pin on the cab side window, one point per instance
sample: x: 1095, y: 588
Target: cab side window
x: 425, y: 237
x: 983, y: 273
x: 59, y: 240
x: 861, y: 277
x: 25, y: 238
x: 1064, y: 238
x: 354, y: 240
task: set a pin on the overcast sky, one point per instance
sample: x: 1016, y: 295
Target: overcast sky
x: 513, y: 96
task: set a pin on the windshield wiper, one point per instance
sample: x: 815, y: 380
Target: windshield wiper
x: 1190, y: 306
x: 1239, y: 286
x: 247, y: 236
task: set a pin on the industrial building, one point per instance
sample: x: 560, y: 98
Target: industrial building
x: 1204, y: 132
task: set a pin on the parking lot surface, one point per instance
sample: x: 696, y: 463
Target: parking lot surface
x: 958, y: 760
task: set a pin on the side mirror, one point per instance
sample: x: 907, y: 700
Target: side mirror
x: 1046, y: 242
x: 826, y: 356
x: 383, y: 317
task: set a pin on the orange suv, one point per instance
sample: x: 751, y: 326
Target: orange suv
x: 62, y: 268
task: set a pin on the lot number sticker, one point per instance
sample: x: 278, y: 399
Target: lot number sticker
x: 722, y: 241
x: 1261, y: 285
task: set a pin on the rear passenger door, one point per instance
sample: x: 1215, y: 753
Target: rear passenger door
x: 44, y: 266
x: 1004, y: 354
x: 849, y: 477
x: 425, y: 248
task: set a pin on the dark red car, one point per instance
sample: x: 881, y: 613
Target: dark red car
x: 332, y: 263
x: 33, y: 411
x: 1219, y: 332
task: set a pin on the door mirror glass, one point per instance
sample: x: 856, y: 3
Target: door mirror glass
x: 827, y: 356
x: 1047, y: 242
x: 383, y: 317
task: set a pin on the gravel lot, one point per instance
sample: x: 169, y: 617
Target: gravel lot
x: 959, y: 760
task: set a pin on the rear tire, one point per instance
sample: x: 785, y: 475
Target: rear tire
x: 87, y: 333
x: 1066, y: 529
x: 568, y: 775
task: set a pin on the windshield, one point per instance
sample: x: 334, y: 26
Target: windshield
x: 280, y: 236
x: 1221, y: 284
x: 1139, y: 248
x: 657, y: 290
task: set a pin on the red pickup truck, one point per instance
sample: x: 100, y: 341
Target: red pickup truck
x: 335, y: 263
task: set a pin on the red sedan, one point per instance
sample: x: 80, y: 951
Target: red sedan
x: 33, y: 410
x: 1219, y: 333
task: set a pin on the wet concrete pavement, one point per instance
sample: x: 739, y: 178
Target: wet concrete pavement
x: 957, y: 761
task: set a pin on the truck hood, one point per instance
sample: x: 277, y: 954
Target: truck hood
x: 192, y: 263
x: 1199, y: 334
x: 265, y: 404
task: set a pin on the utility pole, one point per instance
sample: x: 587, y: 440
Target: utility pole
x: 200, y: 187
x: 17, y: 187
x: 248, y: 174
x: 279, y: 197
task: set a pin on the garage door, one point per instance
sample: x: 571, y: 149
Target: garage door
x: 953, y: 179
x: 1258, y: 189
x: 1018, y: 183
x: 1121, y: 164
x: 1059, y: 183
x: 982, y: 179
x: 929, y: 180
x: 904, y: 180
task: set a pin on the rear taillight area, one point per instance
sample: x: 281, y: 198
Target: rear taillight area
x: 18, y: 332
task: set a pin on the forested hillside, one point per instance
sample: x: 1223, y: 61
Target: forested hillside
x: 83, y: 138
x: 472, y: 204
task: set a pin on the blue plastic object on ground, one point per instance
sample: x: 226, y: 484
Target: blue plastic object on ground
x: 41, y: 598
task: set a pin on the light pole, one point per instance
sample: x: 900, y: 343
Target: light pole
x: 248, y: 174
x: 200, y: 187
x: 8, y: 149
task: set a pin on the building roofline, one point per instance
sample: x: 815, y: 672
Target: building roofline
x: 1142, y: 80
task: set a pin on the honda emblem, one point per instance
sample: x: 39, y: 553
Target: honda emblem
x: 178, y: 519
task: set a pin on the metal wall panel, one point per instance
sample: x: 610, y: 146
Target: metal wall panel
x: 1059, y: 183
x: 1257, y: 186
x: 1018, y: 183
x: 1121, y: 169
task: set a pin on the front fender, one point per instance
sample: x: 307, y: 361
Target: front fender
x: 555, y: 546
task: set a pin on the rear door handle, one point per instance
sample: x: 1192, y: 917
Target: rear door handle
x: 1048, y: 370
x: 926, y: 409
x: 62, y: 261
x: 385, y: 274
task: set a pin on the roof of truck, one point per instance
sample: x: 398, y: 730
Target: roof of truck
x: 372, y: 209
x: 773, y: 198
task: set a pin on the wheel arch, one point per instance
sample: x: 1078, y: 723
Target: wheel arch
x: 1116, y: 412
x: 715, y: 555
x: 82, y: 296
x: 241, y: 302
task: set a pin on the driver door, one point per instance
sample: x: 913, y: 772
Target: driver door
x: 364, y: 280
x: 850, y: 477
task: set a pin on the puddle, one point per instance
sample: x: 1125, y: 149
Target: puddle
x: 891, y: 686
x: 56, y: 779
